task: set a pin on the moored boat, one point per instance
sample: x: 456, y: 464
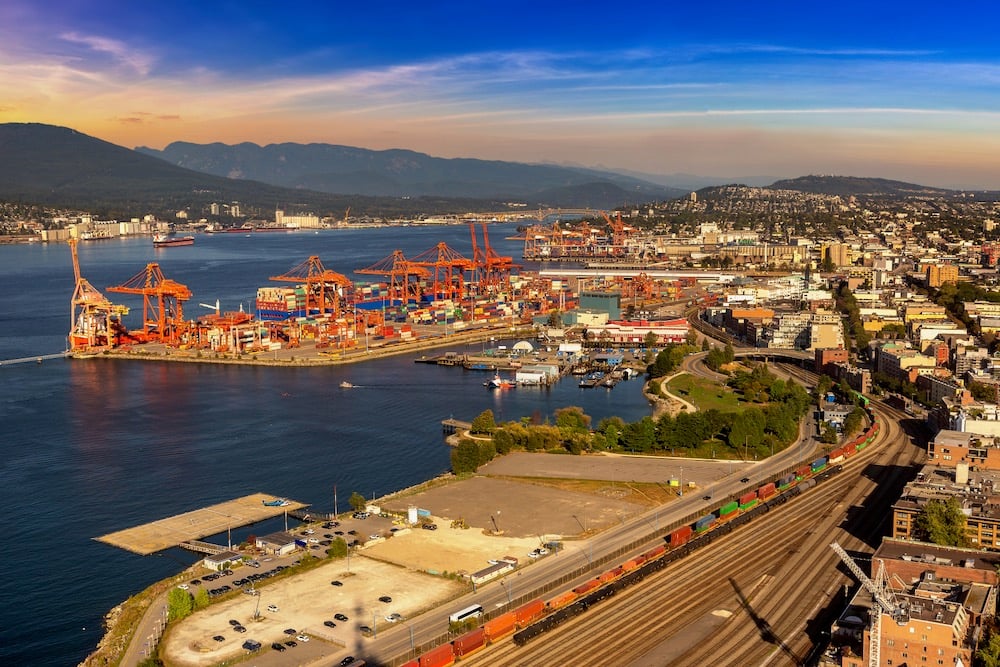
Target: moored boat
x: 165, y: 240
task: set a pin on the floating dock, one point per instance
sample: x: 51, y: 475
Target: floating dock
x: 172, y: 531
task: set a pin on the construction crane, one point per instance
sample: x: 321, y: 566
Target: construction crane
x: 884, y: 602
x: 325, y: 289
x: 448, y: 269
x: 94, y: 321
x: 162, y: 303
x: 398, y: 270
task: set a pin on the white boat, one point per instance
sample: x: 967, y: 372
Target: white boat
x: 346, y: 385
x: 499, y: 383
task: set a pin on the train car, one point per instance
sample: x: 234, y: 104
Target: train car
x: 633, y: 563
x: 528, y: 613
x: 748, y: 501
x: 469, y: 643
x: 818, y: 465
x: 586, y: 587
x: 441, y: 656
x: 411, y: 663
x: 561, y: 600
x: 766, y: 491
x: 611, y: 575
x: 502, y: 625
x: 837, y: 455
x: 679, y: 536
x: 851, y: 449
x: 704, y: 523
x: 802, y: 472
x: 655, y: 552
x: 729, y: 511
x: 787, y: 481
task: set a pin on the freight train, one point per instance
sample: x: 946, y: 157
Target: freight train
x: 539, y: 616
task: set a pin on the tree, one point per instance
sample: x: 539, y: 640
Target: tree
x: 201, y: 598
x: 503, y: 441
x: 691, y: 338
x: 338, y: 548
x: 484, y: 422
x: 357, y: 501
x: 179, y: 604
x: 941, y: 522
x: 572, y: 418
x: 465, y: 457
x: 650, y: 340
x: 989, y: 651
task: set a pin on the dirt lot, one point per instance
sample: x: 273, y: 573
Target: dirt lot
x: 304, y: 602
x: 520, y: 508
x: 450, y: 549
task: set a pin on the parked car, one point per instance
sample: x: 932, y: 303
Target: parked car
x: 394, y: 618
x: 303, y: 638
x: 251, y: 645
x: 279, y: 647
x: 385, y: 598
x: 340, y: 617
x: 430, y: 526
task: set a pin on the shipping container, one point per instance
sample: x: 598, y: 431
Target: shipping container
x: 655, y: 552
x: 469, y: 642
x: 748, y: 500
x: 562, y: 600
x: 818, y: 464
x: 611, y: 575
x: 442, y: 656
x: 766, y: 491
x: 586, y: 587
x: 528, y: 613
x: 786, y: 481
x: 704, y: 523
x: 501, y: 626
x: 411, y: 663
x: 837, y: 455
x: 633, y: 563
x: 802, y: 473
x: 728, y: 509
x: 680, y: 536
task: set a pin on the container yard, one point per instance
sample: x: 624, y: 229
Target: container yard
x: 325, y: 317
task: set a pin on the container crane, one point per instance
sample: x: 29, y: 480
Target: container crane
x: 162, y: 303
x: 94, y: 320
x: 325, y: 289
x: 884, y: 602
x: 398, y: 270
x: 448, y: 267
x: 492, y: 271
x: 619, y: 232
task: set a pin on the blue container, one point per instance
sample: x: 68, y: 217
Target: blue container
x: 818, y: 464
x: 704, y: 523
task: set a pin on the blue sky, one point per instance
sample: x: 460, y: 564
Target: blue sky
x: 720, y: 89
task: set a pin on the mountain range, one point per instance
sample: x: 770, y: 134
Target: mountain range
x: 57, y: 166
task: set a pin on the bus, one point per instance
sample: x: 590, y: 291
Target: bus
x: 475, y: 611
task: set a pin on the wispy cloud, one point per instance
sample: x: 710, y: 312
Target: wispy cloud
x: 120, y: 52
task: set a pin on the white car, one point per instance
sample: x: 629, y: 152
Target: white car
x: 393, y: 618
x: 273, y: 608
x: 303, y: 638
x: 313, y: 540
x: 183, y: 587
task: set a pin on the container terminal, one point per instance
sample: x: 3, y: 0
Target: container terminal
x: 314, y: 314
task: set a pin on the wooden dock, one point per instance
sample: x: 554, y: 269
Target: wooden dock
x: 156, y: 536
x: 451, y: 426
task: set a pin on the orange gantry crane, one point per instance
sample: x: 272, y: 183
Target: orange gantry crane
x: 162, y: 303
x: 619, y: 232
x: 492, y: 271
x: 326, y: 290
x: 448, y: 267
x: 398, y: 271
x: 94, y: 321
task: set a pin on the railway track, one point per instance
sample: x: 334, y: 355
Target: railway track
x: 760, y: 596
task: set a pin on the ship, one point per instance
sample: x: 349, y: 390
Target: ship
x: 165, y: 240
x: 346, y: 385
x: 499, y: 383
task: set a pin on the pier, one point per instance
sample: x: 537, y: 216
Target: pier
x: 191, y: 526
x: 36, y: 359
x: 452, y: 426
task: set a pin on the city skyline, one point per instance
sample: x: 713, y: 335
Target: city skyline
x: 782, y: 91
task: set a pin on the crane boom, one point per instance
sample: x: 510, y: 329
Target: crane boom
x: 885, y: 601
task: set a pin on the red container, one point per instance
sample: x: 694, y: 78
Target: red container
x: 851, y: 449
x: 529, y: 612
x: 469, y: 642
x: 611, y: 575
x: 803, y: 472
x: 585, y: 588
x: 655, y: 553
x: 562, y: 600
x: 632, y: 563
x: 442, y: 656
x: 747, y: 498
x: 411, y: 663
x: 837, y: 455
x: 766, y: 491
x: 501, y: 626
x: 680, y: 536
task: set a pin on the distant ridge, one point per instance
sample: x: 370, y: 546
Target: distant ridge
x: 846, y: 186
x: 405, y: 173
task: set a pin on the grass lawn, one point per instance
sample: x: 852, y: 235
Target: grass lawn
x: 705, y: 394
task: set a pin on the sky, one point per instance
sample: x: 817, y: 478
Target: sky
x: 908, y: 91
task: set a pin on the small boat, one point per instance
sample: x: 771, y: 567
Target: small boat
x: 166, y: 240
x: 499, y: 383
x: 346, y: 385
x: 277, y: 502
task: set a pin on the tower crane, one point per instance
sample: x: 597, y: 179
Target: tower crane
x: 162, y: 302
x: 398, y: 270
x: 884, y: 601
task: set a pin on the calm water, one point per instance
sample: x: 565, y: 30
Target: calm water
x: 94, y: 446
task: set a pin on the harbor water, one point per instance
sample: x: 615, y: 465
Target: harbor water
x: 96, y: 445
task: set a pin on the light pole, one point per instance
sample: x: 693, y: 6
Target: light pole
x: 680, y: 490
x: 506, y: 589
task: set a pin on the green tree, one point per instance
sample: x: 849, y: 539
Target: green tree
x: 179, y: 604
x: 650, y: 340
x: 337, y: 548
x: 201, y: 598
x: 705, y: 345
x: 503, y: 441
x: 572, y: 418
x: 465, y: 457
x: 988, y: 653
x: 357, y: 501
x: 691, y: 337
x: 484, y: 422
x: 941, y: 522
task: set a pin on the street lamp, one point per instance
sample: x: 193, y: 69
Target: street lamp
x: 680, y: 490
